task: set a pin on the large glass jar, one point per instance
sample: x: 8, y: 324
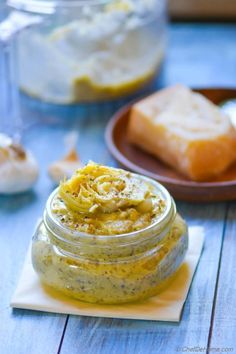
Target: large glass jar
x: 110, y: 268
x: 81, y: 51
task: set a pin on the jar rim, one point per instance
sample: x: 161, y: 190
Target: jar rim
x: 48, y: 7
x: 165, y: 218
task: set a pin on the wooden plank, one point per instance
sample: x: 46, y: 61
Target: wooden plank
x: 194, y: 55
x: 202, y: 9
x: 224, y: 318
x: 125, y: 336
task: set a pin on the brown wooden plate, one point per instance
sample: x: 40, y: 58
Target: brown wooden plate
x: 134, y: 159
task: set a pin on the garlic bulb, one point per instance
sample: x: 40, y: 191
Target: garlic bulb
x: 18, y: 167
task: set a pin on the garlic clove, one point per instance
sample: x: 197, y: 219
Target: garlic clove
x: 65, y: 167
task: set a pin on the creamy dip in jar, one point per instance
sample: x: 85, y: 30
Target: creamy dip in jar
x: 109, y: 236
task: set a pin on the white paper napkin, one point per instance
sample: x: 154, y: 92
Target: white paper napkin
x: 166, y: 306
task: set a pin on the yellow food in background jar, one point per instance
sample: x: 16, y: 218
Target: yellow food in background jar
x: 94, y: 52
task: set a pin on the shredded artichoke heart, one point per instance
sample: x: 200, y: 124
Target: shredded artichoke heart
x: 105, y: 200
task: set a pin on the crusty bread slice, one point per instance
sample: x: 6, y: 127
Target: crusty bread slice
x: 185, y: 130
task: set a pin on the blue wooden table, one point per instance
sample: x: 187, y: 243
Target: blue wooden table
x: 198, y: 55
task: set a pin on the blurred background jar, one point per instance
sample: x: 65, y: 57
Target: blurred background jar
x: 83, y: 51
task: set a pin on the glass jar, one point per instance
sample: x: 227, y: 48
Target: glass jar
x: 80, y: 51
x: 115, y: 268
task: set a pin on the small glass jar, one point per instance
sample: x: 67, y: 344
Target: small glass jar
x: 110, y: 269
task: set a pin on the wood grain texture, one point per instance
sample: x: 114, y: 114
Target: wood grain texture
x: 194, y: 58
x: 224, y: 321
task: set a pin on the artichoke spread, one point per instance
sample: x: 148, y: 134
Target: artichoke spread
x: 101, y: 200
x: 85, y: 246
